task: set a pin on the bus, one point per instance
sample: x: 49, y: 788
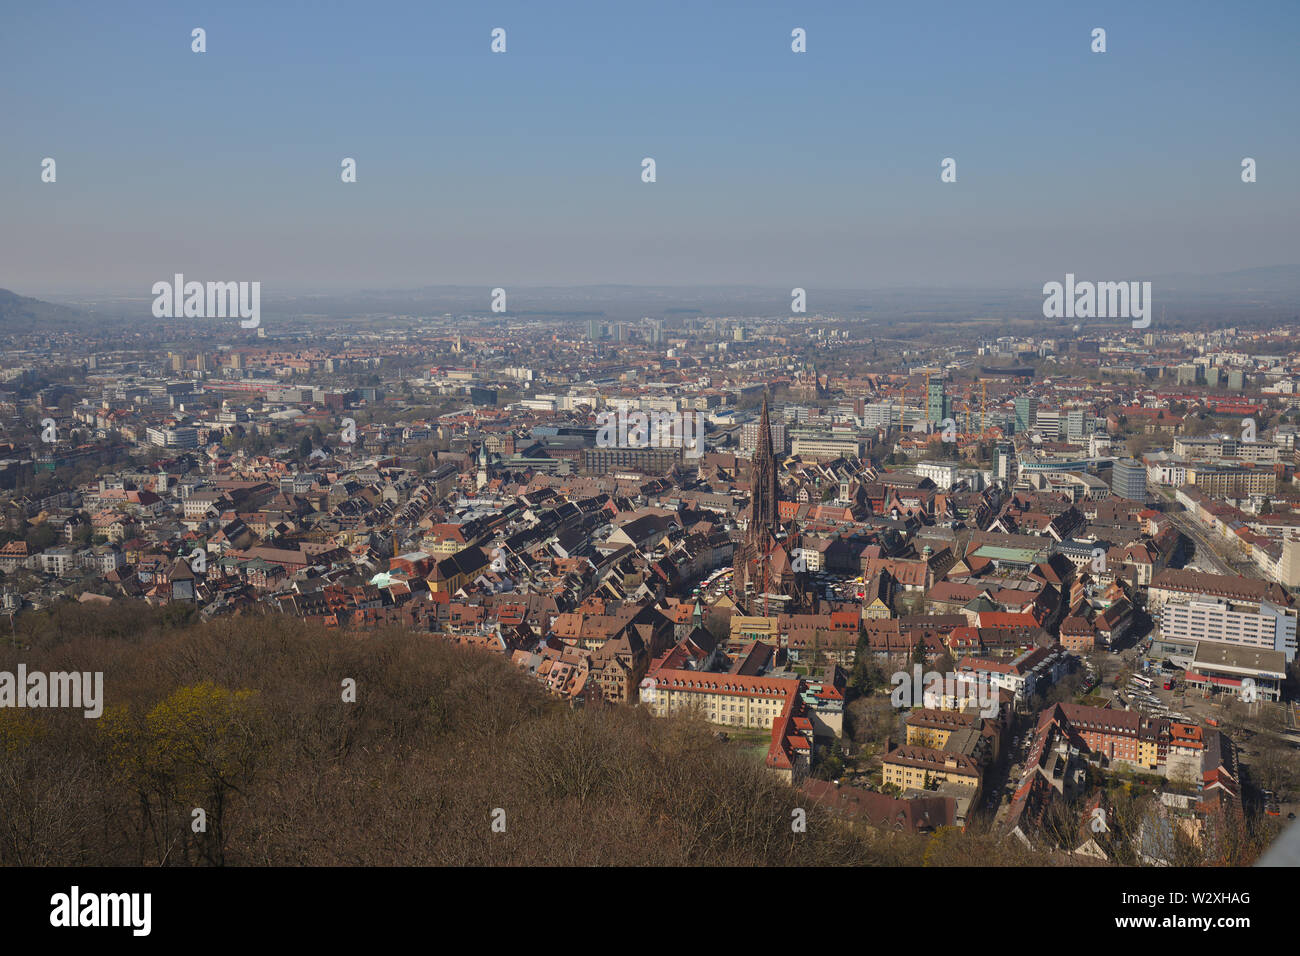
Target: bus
x: 1140, y: 681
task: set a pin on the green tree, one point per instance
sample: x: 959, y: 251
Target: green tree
x: 196, y: 749
x: 918, y: 652
x: 42, y: 536
x: 867, y: 677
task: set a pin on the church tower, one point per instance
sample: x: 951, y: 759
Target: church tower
x: 763, y: 518
x: 765, y: 580
x: 482, y: 479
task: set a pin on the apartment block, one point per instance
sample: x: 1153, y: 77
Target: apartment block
x: 1221, y: 480
x: 732, y: 699
x: 1207, y: 618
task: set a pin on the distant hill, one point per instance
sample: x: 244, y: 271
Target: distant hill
x: 19, y: 314
x: 1281, y: 280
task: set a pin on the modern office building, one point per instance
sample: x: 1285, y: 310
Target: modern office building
x: 1026, y: 413
x: 749, y: 438
x: 1220, y: 447
x: 1004, y: 462
x: 647, y: 461
x: 1048, y: 422
x: 182, y: 437
x: 1206, y: 618
x: 879, y: 414
x: 938, y: 405
x: 825, y: 447
x: 1128, y: 479
x: 1078, y: 424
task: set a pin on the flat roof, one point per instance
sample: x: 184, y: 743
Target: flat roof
x: 995, y: 553
x: 1242, y: 658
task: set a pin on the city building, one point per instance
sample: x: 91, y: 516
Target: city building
x: 1208, y: 618
x: 1026, y: 413
x: 749, y: 438
x: 1128, y: 479
x: 938, y: 405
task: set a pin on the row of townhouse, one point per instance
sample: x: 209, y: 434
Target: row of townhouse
x: 62, y: 560
x: 1132, y: 738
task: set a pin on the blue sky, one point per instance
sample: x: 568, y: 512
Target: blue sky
x: 774, y: 168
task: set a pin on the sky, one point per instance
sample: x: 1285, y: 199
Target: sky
x: 773, y: 168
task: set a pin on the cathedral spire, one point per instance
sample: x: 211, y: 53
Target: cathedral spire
x: 763, y: 510
x: 764, y: 429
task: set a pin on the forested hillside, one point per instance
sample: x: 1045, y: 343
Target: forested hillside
x: 245, y: 719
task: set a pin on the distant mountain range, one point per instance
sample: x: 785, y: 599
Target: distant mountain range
x: 19, y: 314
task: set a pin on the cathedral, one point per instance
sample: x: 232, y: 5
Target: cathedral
x: 811, y: 387
x: 766, y: 581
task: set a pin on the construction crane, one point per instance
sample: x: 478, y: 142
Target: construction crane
x: 984, y: 400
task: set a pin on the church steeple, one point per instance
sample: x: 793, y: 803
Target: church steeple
x: 764, y: 574
x: 482, y: 478
x: 762, y: 508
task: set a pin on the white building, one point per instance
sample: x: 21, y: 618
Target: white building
x: 1206, y: 618
x: 943, y: 474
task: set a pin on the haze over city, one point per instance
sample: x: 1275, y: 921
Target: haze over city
x: 819, y: 169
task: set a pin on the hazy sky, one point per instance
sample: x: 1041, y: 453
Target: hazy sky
x: 773, y: 167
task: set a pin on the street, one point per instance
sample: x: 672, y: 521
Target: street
x: 1207, y: 554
